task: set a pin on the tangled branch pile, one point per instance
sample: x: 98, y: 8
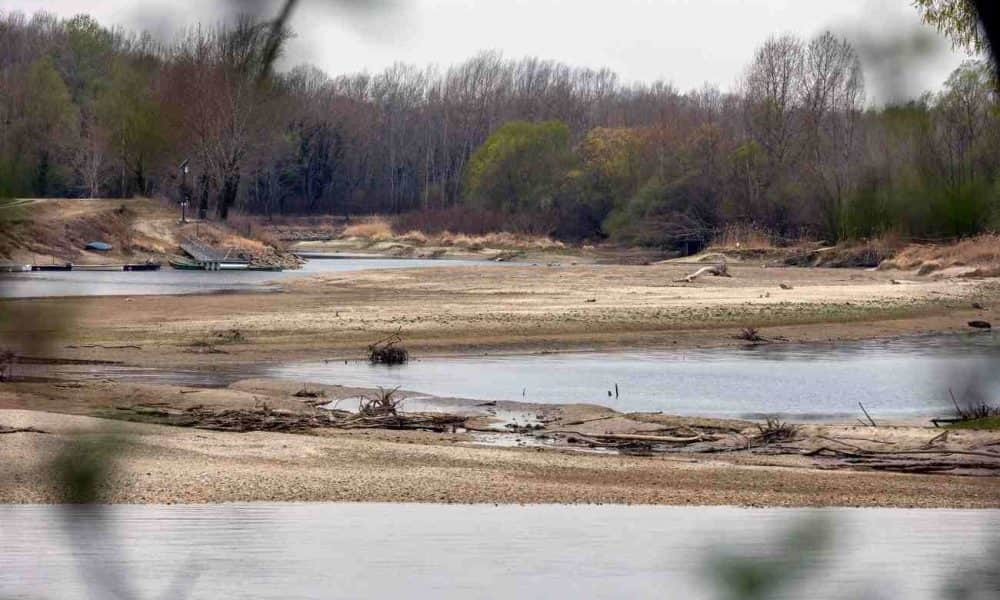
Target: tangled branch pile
x: 384, y: 404
x: 387, y: 351
x: 750, y: 334
x: 264, y: 418
x: 258, y: 419
x: 775, y: 430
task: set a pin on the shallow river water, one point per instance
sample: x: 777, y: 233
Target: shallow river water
x: 42, y: 284
x: 292, y: 551
x: 901, y: 378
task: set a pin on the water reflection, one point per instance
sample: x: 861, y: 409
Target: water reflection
x: 172, y: 281
x: 903, y: 378
x: 402, y: 550
x: 906, y: 378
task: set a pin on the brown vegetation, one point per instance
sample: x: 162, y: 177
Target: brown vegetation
x: 57, y: 229
x: 979, y: 255
x: 138, y: 229
x: 387, y: 351
x: 458, y: 149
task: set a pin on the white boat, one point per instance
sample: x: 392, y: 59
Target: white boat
x: 15, y: 268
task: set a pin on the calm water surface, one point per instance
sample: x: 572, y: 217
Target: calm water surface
x: 899, y: 378
x: 906, y: 378
x: 173, y: 281
x: 292, y: 551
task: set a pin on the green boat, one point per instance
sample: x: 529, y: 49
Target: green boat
x: 186, y: 265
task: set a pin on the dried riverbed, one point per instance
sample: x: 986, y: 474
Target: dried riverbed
x: 467, y: 310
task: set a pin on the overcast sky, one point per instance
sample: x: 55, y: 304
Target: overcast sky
x: 685, y: 42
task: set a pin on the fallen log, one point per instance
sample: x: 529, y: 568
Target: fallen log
x: 266, y: 419
x: 719, y: 270
x: 887, y: 453
x: 661, y: 439
x: 922, y: 466
x: 6, y: 429
x: 103, y: 347
x: 836, y: 441
x: 870, y: 419
x: 863, y: 439
x: 622, y: 437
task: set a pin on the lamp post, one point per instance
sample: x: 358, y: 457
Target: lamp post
x: 185, y: 191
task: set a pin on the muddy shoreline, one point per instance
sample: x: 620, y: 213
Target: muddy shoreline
x: 453, y: 311
x: 514, y: 452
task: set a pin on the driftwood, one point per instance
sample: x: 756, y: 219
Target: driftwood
x: 623, y: 437
x: 750, y: 334
x: 836, y: 441
x: 719, y: 270
x: 103, y: 347
x: 266, y: 419
x: 826, y: 450
x: 774, y: 430
x: 426, y: 421
x: 870, y: 419
x: 614, y: 416
x: 863, y: 439
x: 6, y: 429
x: 656, y: 439
x: 387, y: 351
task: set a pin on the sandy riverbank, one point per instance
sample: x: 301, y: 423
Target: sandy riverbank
x: 457, y: 310
x: 167, y: 464
x: 553, y: 463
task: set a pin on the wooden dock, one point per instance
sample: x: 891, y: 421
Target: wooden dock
x: 147, y: 266
x: 213, y: 259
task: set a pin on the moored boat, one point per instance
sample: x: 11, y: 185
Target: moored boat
x: 186, y: 265
x: 63, y: 267
x: 98, y: 268
x: 15, y: 268
x: 147, y: 266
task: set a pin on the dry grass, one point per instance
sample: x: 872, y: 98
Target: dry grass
x: 233, y: 236
x: 981, y: 252
x: 414, y: 237
x: 856, y: 254
x: 500, y: 239
x: 250, y: 229
x: 373, y: 228
x: 379, y: 229
x: 62, y: 228
x: 743, y: 237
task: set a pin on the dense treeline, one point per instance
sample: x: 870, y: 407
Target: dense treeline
x: 534, y: 144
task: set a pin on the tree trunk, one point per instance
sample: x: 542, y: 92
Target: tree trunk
x: 227, y: 197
